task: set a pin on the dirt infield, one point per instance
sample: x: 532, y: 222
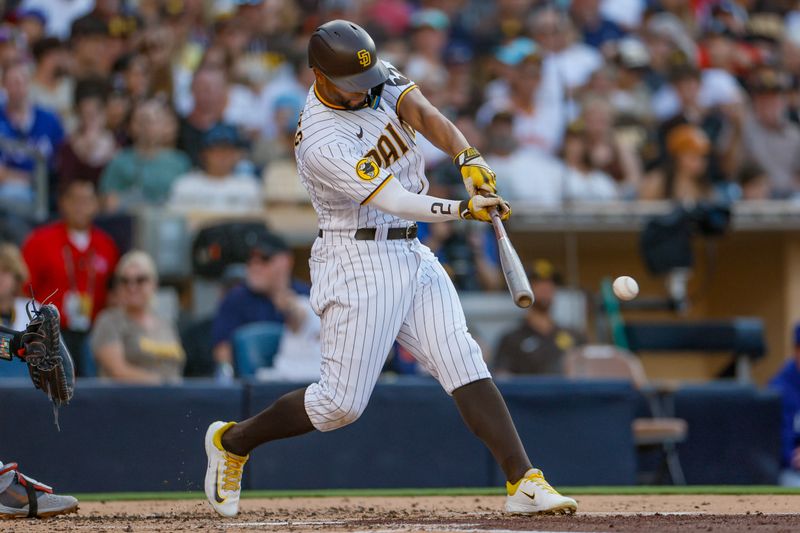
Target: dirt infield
x: 684, y: 514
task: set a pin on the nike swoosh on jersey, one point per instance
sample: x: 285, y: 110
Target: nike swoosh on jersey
x: 360, y: 133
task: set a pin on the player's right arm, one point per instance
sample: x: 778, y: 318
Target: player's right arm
x: 420, y: 114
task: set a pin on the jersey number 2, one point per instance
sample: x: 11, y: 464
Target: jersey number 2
x: 438, y: 208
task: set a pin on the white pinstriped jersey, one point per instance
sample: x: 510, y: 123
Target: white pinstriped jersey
x: 370, y: 292
x: 344, y: 157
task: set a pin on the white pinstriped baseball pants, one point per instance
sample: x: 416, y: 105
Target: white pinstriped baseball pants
x: 369, y: 293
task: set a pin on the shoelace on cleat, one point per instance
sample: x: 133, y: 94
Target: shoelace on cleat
x: 542, y: 483
x: 232, y: 475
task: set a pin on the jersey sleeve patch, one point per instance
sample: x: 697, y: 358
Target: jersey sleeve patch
x: 339, y: 167
x: 396, y: 86
x: 367, y: 169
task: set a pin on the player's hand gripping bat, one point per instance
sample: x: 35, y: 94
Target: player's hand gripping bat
x: 517, y: 281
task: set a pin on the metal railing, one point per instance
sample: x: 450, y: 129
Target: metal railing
x: 767, y: 215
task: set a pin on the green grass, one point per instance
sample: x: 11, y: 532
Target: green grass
x: 466, y: 491
x: 691, y: 489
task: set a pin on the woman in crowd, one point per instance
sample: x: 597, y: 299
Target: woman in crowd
x: 130, y: 342
x: 683, y: 177
x: 144, y: 173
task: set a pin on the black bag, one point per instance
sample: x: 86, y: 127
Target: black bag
x: 666, y: 242
x: 216, y: 247
x: 712, y: 219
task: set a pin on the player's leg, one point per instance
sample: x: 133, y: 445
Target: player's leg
x: 485, y: 413
x: 372, y: 293
x: 362, y: 298
x: 435, y: 332
x: 354, y: 341
x: 285, y: 418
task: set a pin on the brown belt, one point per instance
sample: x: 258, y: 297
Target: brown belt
x: 368, y: 234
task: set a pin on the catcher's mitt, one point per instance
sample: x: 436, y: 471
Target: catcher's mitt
x: 49, y: 362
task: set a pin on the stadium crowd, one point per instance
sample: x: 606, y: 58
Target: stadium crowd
x: 190, y: 106
x: 631, y: 99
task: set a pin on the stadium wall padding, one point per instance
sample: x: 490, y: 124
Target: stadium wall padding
x: 131, y: 438
x: 734, y: 434
x: 560, y: 421
x: 114, y: 437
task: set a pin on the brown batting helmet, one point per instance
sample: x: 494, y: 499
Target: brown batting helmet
x: 345, y: 53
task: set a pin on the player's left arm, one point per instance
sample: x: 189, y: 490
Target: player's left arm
x: 420, y: 114
x: 392, y: 198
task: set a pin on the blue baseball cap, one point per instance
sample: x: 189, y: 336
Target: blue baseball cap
x: 223, y: 134
x: 430, y: 18
x: 517, y: 51
x: 458, y: 53
x: 33, y: 13
x: 291, y: 103
x: 268, y: 245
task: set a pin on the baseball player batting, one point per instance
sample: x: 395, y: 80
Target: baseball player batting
x: 372, y: 280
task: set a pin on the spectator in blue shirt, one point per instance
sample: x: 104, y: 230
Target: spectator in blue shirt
x: 24, y: 130
x: 787, y: 381
x: 595, y: 28
x: 268, y: 294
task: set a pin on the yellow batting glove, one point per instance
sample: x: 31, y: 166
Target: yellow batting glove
x: 478, y: 177
x: 479, y: 208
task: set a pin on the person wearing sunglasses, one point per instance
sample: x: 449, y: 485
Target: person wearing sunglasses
x: 268, y: 293
x: 130, y: 342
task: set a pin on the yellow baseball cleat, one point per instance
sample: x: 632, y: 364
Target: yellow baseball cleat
x: 224, y: 473
x: 533, y: 494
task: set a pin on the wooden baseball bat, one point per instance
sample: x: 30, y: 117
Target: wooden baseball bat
x: 517, y: 280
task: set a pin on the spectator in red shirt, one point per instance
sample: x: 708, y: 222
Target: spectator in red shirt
x: 73, y: 260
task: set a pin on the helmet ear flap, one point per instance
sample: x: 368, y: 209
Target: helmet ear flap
x: 374, y: 96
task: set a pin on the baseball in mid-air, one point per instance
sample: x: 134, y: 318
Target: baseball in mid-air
x: 626, y: 288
